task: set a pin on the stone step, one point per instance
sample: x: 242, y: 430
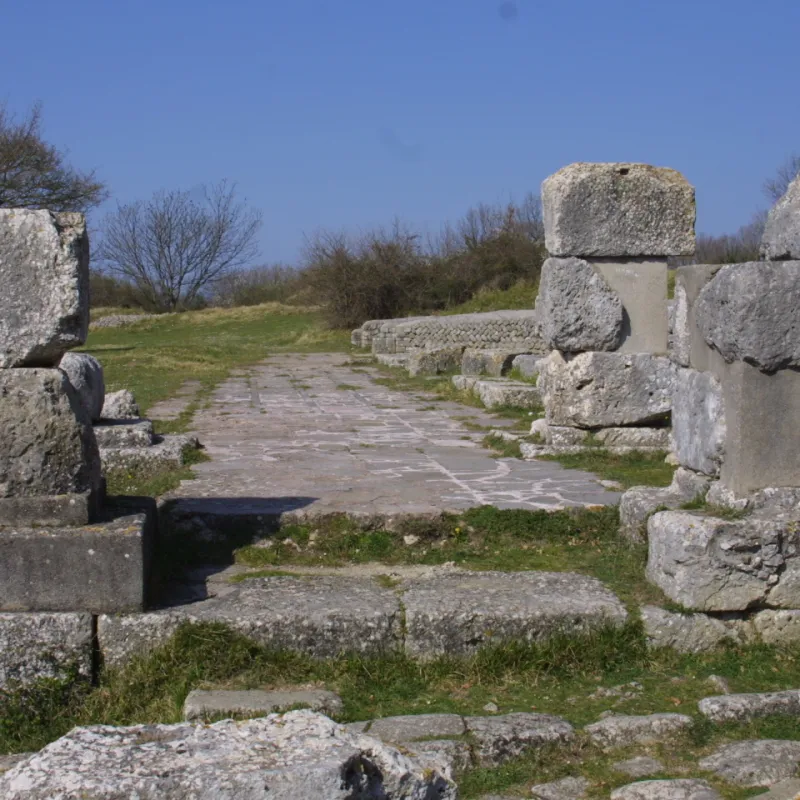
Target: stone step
x: 203, y: 704
x: 500, y: 392
x: 455, y: 612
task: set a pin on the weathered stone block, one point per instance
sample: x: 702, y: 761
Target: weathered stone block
x: 48, y: 444
x: 44, y: 272
x: 754, y: 763
x: 120, y: 405
x: 434, y: 362
x: 564, y: 789
x: 413, y: 727
x: 124, y: 433
x: 621, y: 730
x: 298, y: 754
x: 618, y: 209
x: 494, y: 363
x: 751, y: 312
x: 321, y: 616
x: 36, y: 646
x: 745, y: 707
x: 676, y: 789
x: 558, y: 436
x: 85, y: 373
x: 204, y: 704
x: 698, y: 421
x: 606, y: 390
x: 103, y: 567
x: 686, y: 633
x: 500, y: 393
x: 577, y: 308
x: 459, y: 613
x: 641, y: 285
x: 710, y: 564
x: 778, y: 626
x: 638, y: 438
x: 781, y: 239
x: 528, y: 365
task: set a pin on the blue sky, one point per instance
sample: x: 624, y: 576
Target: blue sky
x: 350, y: 113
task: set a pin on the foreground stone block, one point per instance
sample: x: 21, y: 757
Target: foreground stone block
x: 698, y: 421
x: 761, y: 762
x: 321, y: 616
x: 686, y: 633
x: 120, y: 405
x: 44, y: 272
x: 577, y: 308
x: 678, y: 789
x: 37, y: 646
x: 103, y: 567
x: 781, y: 239
x: 620, y: 730
x: 751, y: 312
x: 606, y: 390
x: 457, y: 613
x: 618, y: 209
x: 745, y: 707
x: 86, y: 376
x: 299, y: 754
x: 204, y: 704
x: 494, y: 363
x: 711, y: 564
x: 499, y: 739
x: 48, y: 448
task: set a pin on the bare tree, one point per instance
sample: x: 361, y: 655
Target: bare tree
x: 34, y: 174
x: 172, y: 247
x: 776, y: 187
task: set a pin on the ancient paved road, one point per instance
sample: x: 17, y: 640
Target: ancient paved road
x: 309, y: 434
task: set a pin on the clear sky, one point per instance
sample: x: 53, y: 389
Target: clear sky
x: 348, y: 113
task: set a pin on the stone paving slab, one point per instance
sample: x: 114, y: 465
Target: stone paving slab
x: 310, y: 437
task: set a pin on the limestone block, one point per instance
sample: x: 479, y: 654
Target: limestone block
x: 37, y: 646
x: 681, y: 341
x: 641, y: 285
x: 44, y: 272
x: 746, y: 707
x: 124, y: 433
x: 298, y: 754
x: 698, y: 421
x: 751, y: 312
x: 500, y: 393
x: 618, y: 209
x: 85, y: 373
x: 499, y: 739
x: 559, y: 436
x: 322, y: 616
x: 120, y: 405
x: 640, y: 767
x: 710, y: 564
x: 48, y: 444
x: 754, y: 763
x: 606, y: 390
x: 412, y: 727
x: 686, y: 633
x: 449, y: 757
x: 494, y: 363
x: 103, y: 567
x: 639, y: 438
x: 464, y: 383
x: 577, y: 308
x: 676, y: 789
x: 620, y: 730
x: 434, y: 362
x: 781, y: 239
x: 460, y: 612
x: 203, y: 704
x: 528, y: 365
x: 565, y: 789
x: 164, y: 452
x: 778, y: 626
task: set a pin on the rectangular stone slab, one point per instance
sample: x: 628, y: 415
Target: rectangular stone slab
x: 101, y: 568
x: 458, y: 613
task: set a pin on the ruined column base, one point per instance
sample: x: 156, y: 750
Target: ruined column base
x: 100, y: 568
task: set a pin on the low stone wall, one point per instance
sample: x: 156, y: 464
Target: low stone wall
x: 494, y: 329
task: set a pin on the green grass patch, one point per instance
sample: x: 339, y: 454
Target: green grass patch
x: 155, y: 357
x: 145, y: 482
x: 631, y: 469
x: 521, y: 295
x: 503, y: 448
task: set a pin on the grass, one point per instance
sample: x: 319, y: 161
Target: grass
x: 153, y: 483
x: 631, y: 469
x: 155, y: 357
x: 521, y: 295
x: 503, y: 448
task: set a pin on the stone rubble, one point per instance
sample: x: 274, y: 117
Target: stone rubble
x: 678, y: 789
x: 620, y: 730
x: 754, y: 763
x: 745, y: 707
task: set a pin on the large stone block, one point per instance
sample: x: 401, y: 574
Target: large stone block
x: 641, y: 284
x: 461, y: 612
x: 37, y: 646
x: 711, y: 564
x: 618, y: 209
x: 103, y: 567
x: 686, y: 633
x: 48, y: 448
x: 494, y: 363
x: 44, y: 272
x: 120, y: 405
x: 434, y: 361
x: 689, y: 346
x: 781, y: 239
x: 85, y: 373
x: 294, y: 755
x: 606, y: 390
x: 751, y: 312
x: 698, y: 421
x: 577, y: 308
